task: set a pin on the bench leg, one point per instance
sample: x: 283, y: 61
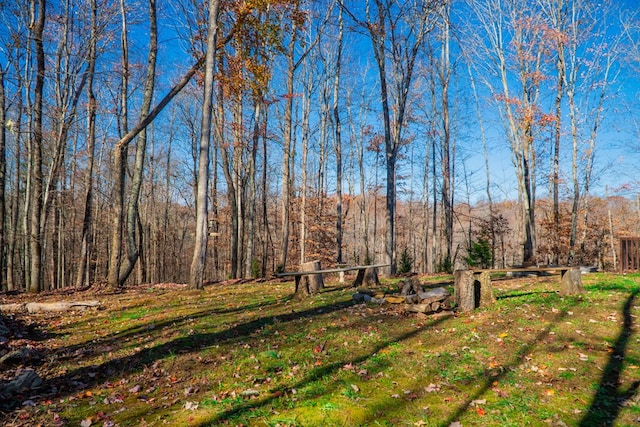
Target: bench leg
x: 300, y: 292
x: 571, y: 282
x: 472, y: 290
x: 359, y: 278
x: 486, y: 289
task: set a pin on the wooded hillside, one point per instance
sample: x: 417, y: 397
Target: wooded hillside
x: 194, y: 141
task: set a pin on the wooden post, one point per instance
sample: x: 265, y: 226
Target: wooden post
x: 571, y: 282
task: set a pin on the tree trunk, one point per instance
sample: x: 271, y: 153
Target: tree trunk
x: 36, y: 233
x: 447, y: 188
x: 287, y: 149
x: 83, y: 277
x: 251, y: 200
x: 338, y: 140
x: 133, y: 230
x: 3, y: 171
x: 196, y: 275
x: 120, y: 152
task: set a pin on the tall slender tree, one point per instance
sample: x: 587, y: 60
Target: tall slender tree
x: 196, y: 277
x: 38, y: 13
x: 396, y: 30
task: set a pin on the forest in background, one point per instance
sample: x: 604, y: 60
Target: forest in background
x: 192, y: 141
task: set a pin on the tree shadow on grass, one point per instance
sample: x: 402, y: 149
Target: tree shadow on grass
x: 609, y: 398
x: 518, y: 360
x: 118, y: 337
x: 522, y: 294
x: 93, y: 375
x: 315, y: 374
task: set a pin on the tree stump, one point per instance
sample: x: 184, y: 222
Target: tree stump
x: 311, y: 283
x: 371, y: 277
x: 571, y: 282
x: 486, y: 290
x: 467, y: 297
x: 472, y: 289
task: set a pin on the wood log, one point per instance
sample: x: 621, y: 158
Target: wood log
x: 56, y: 306
x: 418, y: 308
x: 12, y: 308
x: 410, y: 285
x: 571, y: 282
x: 433, y: 295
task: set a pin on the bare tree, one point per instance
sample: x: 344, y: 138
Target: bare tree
x: 38, y: 11
x: 196, y: 279
x: 83, y: 277
x: 397, y: 31
x: 514, y: 52
x: 337, y: 144
x: 3, y: 184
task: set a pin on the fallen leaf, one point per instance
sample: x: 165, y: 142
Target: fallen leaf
x: 86, y: 422
x: 135, y: 389
x: 550, y: 392
x: 250, y: 392
x: 480, y: 411
x: 355, y: 388
x: 190, y: 406
x: 478, y: 402
x: 432, y: 388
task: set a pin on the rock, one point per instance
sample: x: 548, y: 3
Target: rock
x: 4, y: 331
x: 15, y: 356
x: 26, y: 380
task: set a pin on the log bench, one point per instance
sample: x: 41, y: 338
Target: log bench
x: 361, y: 269
x: 472, y: 288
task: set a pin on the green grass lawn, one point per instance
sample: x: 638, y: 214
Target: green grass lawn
x: 249, y: 355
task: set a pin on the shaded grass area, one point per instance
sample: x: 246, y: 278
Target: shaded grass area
x: 250, y: 355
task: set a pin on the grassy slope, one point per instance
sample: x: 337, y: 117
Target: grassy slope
x: 177, y: 357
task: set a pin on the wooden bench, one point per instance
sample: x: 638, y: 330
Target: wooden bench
x: 472, y: 288
x: 361, y: 269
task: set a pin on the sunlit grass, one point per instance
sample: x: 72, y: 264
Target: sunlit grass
x: 250, y: 355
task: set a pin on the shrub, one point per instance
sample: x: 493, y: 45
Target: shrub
x: 479, y: 254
